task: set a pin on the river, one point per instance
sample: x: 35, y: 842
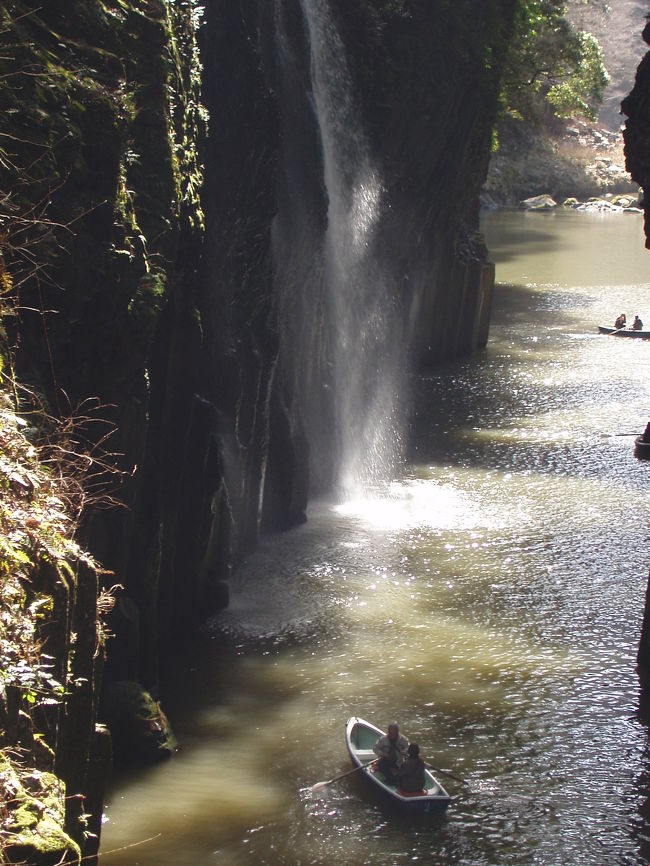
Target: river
x: 490, y: 599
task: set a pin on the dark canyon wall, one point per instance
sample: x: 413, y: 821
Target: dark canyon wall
x: 169, y: 266
x: 429, y: 75
x: 160, y: 286
x: 636, y: 133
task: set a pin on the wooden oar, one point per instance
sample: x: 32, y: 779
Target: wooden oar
x: 447, y: 773
x: 319, y: 785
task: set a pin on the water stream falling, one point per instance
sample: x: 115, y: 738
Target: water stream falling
x: 361, y: 323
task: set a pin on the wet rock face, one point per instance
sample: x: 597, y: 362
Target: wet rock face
x: 33, y: 818
x: 637, y: 131
x: 429, y: 77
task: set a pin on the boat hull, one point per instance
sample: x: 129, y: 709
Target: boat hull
x: 642, y: 448
x: 625, y: 332
x: 360, y: 737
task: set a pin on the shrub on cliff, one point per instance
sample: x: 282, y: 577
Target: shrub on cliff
x: 50, y: 649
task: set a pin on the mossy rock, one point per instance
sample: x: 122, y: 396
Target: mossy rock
x: 138, y: 726
x: 36, y: 814
x: 44, y: 844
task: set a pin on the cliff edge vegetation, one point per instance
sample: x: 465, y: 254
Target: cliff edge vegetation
x: 53, y: 757
x: 550, y: 137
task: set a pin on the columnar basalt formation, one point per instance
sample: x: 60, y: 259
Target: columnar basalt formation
x: 432, y: 121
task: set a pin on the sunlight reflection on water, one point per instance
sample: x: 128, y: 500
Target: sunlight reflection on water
x: 491, y: 599
x: 416, y: 502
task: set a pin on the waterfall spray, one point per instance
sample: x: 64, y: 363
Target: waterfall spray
x: 367, y: 358
x: 363, y: 323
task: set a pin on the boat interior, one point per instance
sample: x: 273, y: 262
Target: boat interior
x: 363, y: 739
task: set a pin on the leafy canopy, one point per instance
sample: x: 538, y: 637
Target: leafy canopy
x: 551, y: 64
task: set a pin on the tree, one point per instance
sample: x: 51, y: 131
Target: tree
x: 551, y: 65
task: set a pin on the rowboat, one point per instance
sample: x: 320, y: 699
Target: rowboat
x: 360, y: 737
x: 624, y: 332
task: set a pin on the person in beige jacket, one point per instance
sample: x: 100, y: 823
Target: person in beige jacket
x: 391, y: 749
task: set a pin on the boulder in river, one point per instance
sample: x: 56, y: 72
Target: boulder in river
x: 599, y: 205
x: 538, y: 202
x: 139, y: 728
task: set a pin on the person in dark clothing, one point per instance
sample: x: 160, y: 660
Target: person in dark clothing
x: 637, y: 324
x: 410, y: 776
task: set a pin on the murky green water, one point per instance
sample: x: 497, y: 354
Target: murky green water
x: 491, y: 600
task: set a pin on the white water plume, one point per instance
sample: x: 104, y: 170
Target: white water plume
x: 364, y: 323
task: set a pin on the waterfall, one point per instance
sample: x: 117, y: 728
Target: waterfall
x: 357, y: 293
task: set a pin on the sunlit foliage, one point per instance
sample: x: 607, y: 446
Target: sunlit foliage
x: 551, y: 65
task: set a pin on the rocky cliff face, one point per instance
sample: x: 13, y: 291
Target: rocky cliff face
x: 636, y: 133
x: 424, y: 82
x: 170, y: 268
x: 432, y: 118
x: 637, y: 161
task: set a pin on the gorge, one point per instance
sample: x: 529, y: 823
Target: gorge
x: 236, y: 227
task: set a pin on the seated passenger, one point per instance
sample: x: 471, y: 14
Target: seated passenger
x: 391, y: 749
x: 637, y: 324
x: 646, y: 433
x: 410, y: 776
x: 620, y: 322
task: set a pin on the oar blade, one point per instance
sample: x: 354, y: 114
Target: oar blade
x: 447, y: 773
x: 320, y: 785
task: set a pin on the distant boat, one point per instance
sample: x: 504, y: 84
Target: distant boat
x: 624, y: 332
x: 360, y: 737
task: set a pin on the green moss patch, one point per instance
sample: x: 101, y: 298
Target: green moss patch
x: 33, y: 817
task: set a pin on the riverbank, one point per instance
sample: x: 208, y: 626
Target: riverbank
x: 579, y: 160
x: 611, y: 203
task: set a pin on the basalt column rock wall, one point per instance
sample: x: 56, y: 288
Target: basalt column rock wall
x: 430, y: 73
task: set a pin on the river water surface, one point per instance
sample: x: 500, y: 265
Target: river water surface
x: 491, y: 600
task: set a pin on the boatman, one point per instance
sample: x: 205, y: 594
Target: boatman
x: 391, y: 749
x: 637, y: 324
